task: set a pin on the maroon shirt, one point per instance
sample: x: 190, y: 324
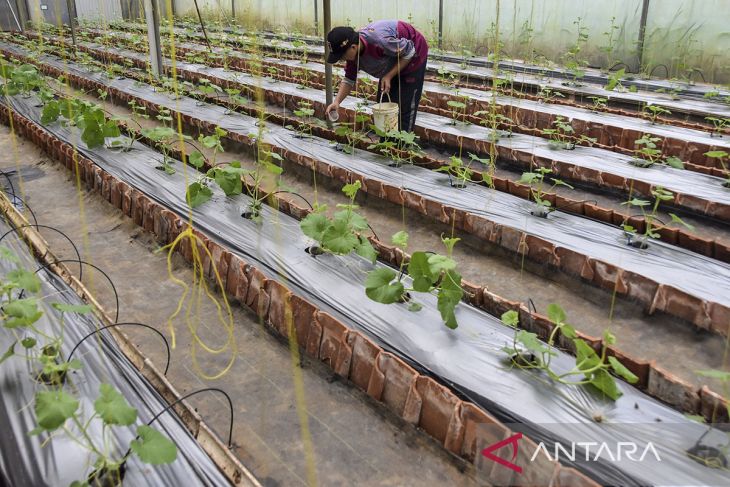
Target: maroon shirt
x: 385, y: 42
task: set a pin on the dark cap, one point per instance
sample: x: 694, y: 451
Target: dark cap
x: 339, y: 40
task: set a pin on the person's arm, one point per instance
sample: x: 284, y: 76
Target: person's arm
x: 342, y: 93
x: 394, y: 71
x: 346, y: 85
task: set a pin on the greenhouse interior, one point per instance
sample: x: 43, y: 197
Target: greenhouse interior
x: 329, y: 242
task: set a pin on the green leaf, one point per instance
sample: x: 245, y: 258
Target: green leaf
x: 604, y: 382
x: 9, y: 352
x: 25, y: 280
x: 421, y: 272
x: 449, y: 296
x: 72, y: 308
x: 568, y: 331
x: 556, y: 313
x: 113, y: 408
x: 714, y: 374
x: 351, y: 189
x: 229, y: 180
x: 676, y: 219
x: 622, y: 371
x: 197, y: 194
x: 415, y: 307
x: 609, y: 337
x: 153, y: 447
x: 53, y: 408
x: 637, y: 202
x: 717, y: 154
x: 674, y: 162
x: 29, y: 342
x: 400, y: 239
x: 314, y: 225
x: 23, y: 312
x: 440, y: 263
x: 7, y: 254
x: 585, y: 356
x: 51, y: 111
x: 339, y: 239
x: 196, y: 159
x: 365, y: 249
x: 530, y: 341
x: 511, y: 318
x: 111, y: 129
x: 379, y: 286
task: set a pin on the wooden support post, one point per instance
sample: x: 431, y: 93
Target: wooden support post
x: 153, y: 35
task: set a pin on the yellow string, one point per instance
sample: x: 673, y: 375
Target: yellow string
x: 190, y: 301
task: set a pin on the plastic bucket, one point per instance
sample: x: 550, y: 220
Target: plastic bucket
x: 385, y: 115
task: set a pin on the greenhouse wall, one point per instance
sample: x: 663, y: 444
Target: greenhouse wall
x: 680, y: 34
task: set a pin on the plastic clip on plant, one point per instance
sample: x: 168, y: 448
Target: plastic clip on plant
x: 528, y: 352
x: 536, y: 180
x: 341, y: 233
x: 429, y: 272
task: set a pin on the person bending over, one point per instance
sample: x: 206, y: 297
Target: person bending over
x: 392, y: 51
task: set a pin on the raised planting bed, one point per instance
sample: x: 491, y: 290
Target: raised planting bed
x: 107, y: 375
x: 592, y: 75
x: 560, y: 241
x: 698, y: 193
x: 691, y: 109
x: 332, y: 284
x: 611, y: 131
x: 683, y: 237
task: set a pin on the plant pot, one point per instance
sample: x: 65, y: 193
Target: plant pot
x: 252, y: 212
x: 540, y: 211
x: 314, y: 251
x: 523, y: 359
x: 708, y: 455
x: 558, y: 145
x: 457, y: 183
x: 716, y: 135
x: 643, y: 163
x: 104, y: 477
x: 638, y: 243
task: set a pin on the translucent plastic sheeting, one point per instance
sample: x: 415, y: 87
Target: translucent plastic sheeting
x: 24, y: 461
x: 692, y: 183
x: 591, y: 75
x: 697, y: 275
x: 566, y: 111
x: 530, y: 78
x: 468, y: 358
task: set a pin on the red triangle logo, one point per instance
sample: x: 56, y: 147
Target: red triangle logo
x: 513, y: 440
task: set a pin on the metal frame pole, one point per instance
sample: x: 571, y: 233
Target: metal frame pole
x: 153, y: 35
x: 327, y: 66
x: 71, y: 8
x: 441, y: 23
x: 316, y: 17
x: 642, y: 34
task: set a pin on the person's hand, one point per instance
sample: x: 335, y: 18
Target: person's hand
x: 332, y: 106
x: 385, y: 84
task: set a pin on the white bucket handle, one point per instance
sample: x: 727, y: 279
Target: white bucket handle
x: 385, y: 93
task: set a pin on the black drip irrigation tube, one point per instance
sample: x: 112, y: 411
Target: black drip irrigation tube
x: 179, y: 400
x: 114, y: 288
x: 76, y: 249
x: 113, y: 325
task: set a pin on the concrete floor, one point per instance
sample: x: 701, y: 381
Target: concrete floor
x: 354, y: 441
